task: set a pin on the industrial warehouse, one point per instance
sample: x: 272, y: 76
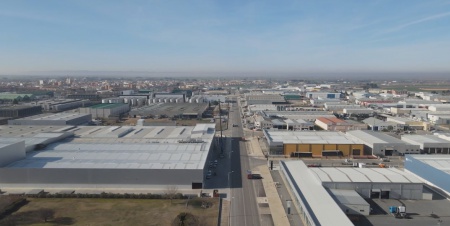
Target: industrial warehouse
x: 96, y: 157
x: 343, y: 191
x: 312, y: 144
x: 66, y: 118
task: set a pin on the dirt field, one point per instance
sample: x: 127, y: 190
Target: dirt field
x: 152, y: 212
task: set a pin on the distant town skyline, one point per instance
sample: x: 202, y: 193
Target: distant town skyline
x: 222, y: 37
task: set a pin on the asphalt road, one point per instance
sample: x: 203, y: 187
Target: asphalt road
x: 244, y: 209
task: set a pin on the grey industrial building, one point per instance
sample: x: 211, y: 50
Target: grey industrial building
x: 381, y: 144
x: 96, y: 157
x: 342, y: 190
x: 429, y: 144
x: 106, y: 110
x: 184, y: 110
x: 66, y: 118
x: 20, y: 111
x: 264, y: 99
x: 62, y: 105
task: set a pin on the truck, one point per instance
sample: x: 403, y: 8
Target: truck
x: 398, y: 211
x: 254, y: 175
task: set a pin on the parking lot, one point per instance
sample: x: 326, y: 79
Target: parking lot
x: 419, y: 212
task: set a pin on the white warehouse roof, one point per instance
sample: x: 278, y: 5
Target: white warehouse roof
x: 358, y: 175
x: 426, y: 141
x: 373, y: 137
x: 308, y: 137
x: 324, y: 209
x: 113, y: 147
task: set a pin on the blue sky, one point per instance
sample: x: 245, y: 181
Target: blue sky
x: 278, y: 36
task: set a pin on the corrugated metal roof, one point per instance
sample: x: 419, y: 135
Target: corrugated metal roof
x: 103, y: 147
x: 374, y: 137
x: 309, y: 137
x: 324, y: 209
x: 349, y: 197
x: 358, y: 175
x: 440, y: 162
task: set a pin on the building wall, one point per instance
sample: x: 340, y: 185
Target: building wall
x: 379, y: 149
x: 105, y: 112
x: 20, y: 112
x: 316, y: 149
x: 396, y: 190
x: 100, y: 176
x: 28, y: 122
x: 305, y: 211
x: 12, y: 153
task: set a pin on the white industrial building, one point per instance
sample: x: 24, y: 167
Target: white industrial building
x: 323, y: 95
x: 380, y: 125
x: 341, y: 190
x: 310, y: 116
x: 97, y: 157
x: 11, y: 151
x: 439, y: 117
x: 381, y: 144
x: 429, y: 144
x: 65, y: 118
x: 440, y: 107
x: 358, y: 111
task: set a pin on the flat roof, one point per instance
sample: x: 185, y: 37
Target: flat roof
x: 374, y: 137
x: 107, y: 106
x: 324, y: 209
x: 361, y: 175
x: 309, y: 137
x: 116, y: 147
x: 171, y: 108
x: 348, y: 197
x: 54, y: 117
x: 18, y: 107
x: 421, y: 139
x: 440, y: 162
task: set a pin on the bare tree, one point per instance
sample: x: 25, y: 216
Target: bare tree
x: 171, y: 191
x: 46, y: 214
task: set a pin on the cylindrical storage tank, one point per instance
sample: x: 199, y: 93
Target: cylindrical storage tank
x: 165, y: 100
x: 171, y: 100
x: 177, y: 100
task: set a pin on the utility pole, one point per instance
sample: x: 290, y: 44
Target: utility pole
x: 220, y: 127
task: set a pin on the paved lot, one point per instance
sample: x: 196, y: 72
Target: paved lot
x: 421, y: 212
x: 294, y: 218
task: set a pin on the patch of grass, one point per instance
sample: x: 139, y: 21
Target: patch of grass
x: 102, y: 212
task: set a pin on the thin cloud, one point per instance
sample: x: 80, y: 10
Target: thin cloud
x: 434, y: 17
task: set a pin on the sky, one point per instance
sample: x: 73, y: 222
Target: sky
x: 342, y: 36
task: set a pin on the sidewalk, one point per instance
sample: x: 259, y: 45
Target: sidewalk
x: 279, y: 217
x: 225, y: 213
